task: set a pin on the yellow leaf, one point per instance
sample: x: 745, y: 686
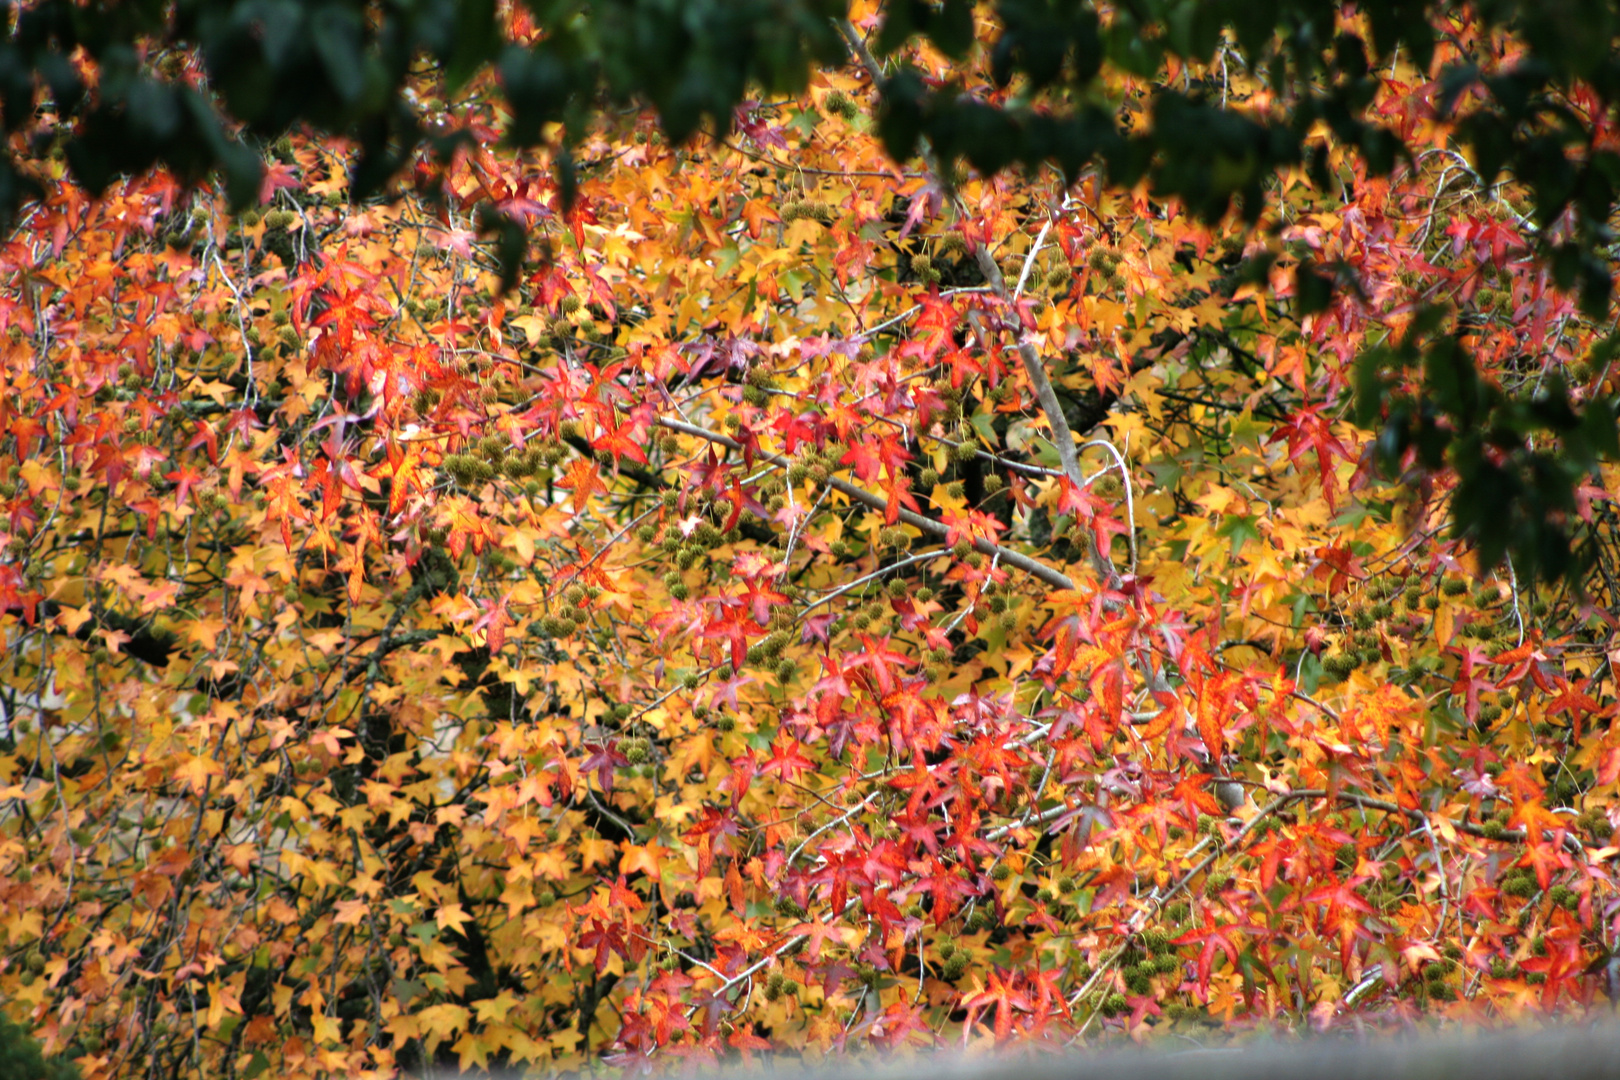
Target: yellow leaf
x: 593, y: 850
x: 1443, y: 622
x: 522, y: 543
x: 204, y: 631
x: 452, y: 916
x: 326, y: 641
x: 350, y: 912
x: 643, y: 857
x: 70, y: 619
x: 534, y: 327
x: 493, y: 1010
x: 196, y: 771
x: 37, y: 476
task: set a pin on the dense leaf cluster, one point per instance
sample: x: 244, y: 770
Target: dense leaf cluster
x: 613, y: 599
x: 268, y: 66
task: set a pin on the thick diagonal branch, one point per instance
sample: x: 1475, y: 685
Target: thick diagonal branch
x: 1034, y: 368
x: 1008, y: 557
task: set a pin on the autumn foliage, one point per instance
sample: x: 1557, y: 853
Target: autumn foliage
x: 820, y: 608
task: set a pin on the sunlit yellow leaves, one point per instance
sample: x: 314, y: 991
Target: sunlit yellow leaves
x: 594, y: 851
x: 71, y: 619
x: 451, y: 916
x: 197, y: 772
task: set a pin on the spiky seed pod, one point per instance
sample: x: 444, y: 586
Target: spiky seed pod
x: 1521, y: 887
x: 815, y: 210
x: 1103, y: 259
x: 956, y: 489
x: 840, y: 104
x: 1453, y: 586
x: 1061, y: 278
x: 1001, y: 872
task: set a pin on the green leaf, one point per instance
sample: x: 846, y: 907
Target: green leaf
x: 1239, y: 530
x: 951, y: 29
x: 335, y: 34
x: 477, y: 37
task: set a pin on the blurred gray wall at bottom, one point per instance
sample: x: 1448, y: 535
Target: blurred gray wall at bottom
x: 1589, y: 1052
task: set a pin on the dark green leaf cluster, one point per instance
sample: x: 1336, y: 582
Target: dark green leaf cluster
x: 21, y: 1059
x: 342, y: 65
x: 1519, y: 460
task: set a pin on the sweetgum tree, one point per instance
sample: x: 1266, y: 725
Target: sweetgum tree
x: 768, y: 593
